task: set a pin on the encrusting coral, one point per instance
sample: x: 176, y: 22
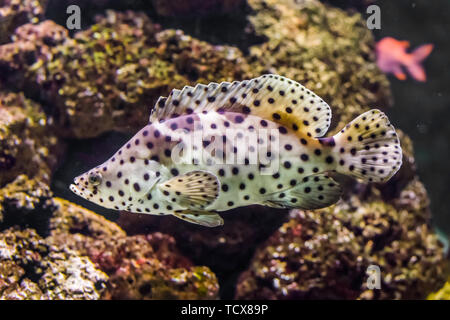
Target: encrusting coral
x: 27, y: 145
x: 109, y: 76
x: 326, y: 254
x: 51, y: 248
x: 14, y: 13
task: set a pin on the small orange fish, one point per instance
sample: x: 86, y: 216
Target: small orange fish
x: 392, y: 56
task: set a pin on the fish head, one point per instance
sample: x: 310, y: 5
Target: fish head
x: 120, y: 183
x: 91, y: 186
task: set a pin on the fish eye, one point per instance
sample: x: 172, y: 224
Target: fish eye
x: 95, y: 178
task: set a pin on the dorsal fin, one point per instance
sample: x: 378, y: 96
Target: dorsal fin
x: 269, y: 96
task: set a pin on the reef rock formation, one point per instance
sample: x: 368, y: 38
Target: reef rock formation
x: 225, y: 250
x: 442, y: 294
x: 14, y: 13
x: 33, y: 269
x: 53, y: 249
x: 326, y: 254
x: 27, y: 145
x: 108, y: 76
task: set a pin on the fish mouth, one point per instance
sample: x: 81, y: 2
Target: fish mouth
x: 75, y: 190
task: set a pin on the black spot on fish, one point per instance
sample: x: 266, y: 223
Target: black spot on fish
x: 238, y: 119
x: 282, y: 130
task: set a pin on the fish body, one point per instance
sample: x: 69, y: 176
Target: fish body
x: 392, y: 57
x: 213, y: 148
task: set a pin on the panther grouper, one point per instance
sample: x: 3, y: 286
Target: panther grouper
x: 211, y: 148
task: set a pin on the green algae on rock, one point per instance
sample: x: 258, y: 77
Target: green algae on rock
x: 46, y: 272
x: 14, y: 13
x: 25, y: 202
x: 109, y: 76
x: 51, y: 248
x: 326, y: 253
x: 31, y: 46
x: 27, y: 146
x: 225, y: 250
x: 69, y: 218
x: 441, y: 294
x: 149, y: 267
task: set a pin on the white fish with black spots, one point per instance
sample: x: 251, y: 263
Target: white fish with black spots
x: 212, y: 148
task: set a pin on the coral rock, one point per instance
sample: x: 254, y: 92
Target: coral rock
x: 326, y: 253
x: 27, y: 146
x: 40, y: 271
x: 14, y: 13
x: 73, y: 253
x: 442, y: 294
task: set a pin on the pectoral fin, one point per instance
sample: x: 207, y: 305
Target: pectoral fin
x: 193, y: 190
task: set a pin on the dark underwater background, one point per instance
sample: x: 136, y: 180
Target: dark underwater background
x: 421, y: 109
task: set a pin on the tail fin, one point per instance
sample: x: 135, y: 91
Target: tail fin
x: 368, y: 148
x: 418, y: 55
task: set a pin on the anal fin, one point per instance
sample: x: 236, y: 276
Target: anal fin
x: 204, y: 218
x: 315, y: 192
